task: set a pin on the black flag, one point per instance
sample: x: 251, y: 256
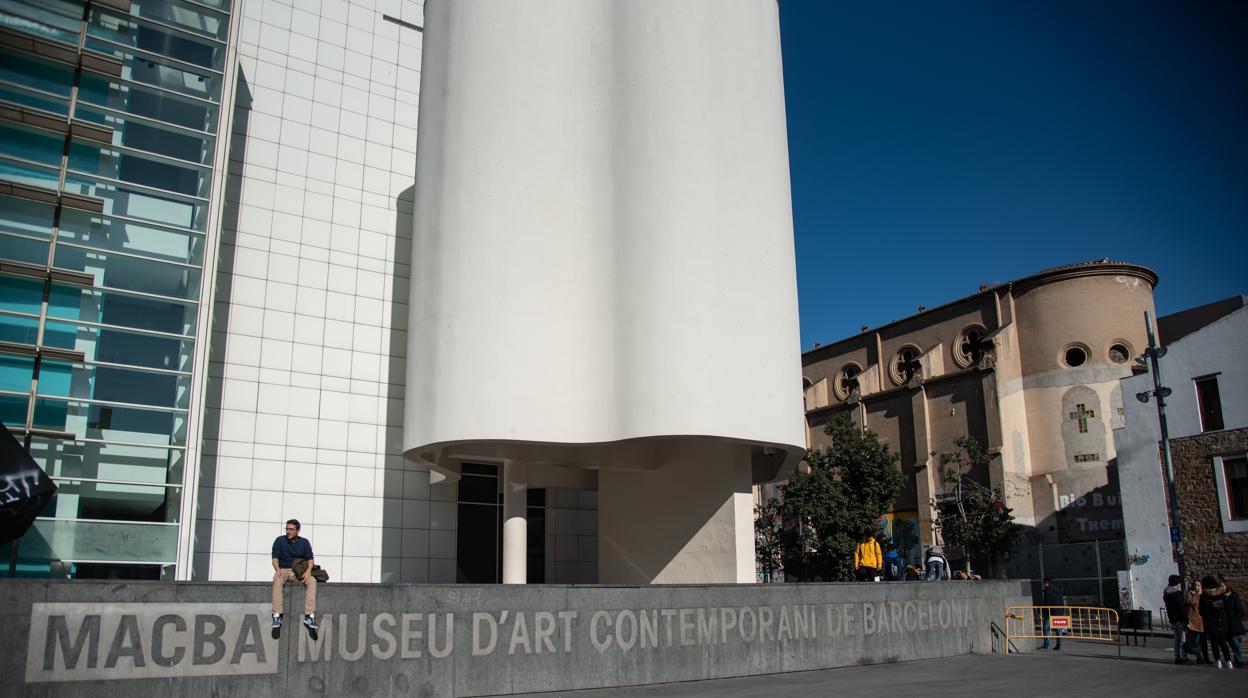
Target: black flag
x: 24, y: 488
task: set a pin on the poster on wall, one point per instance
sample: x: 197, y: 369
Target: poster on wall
x: 902, y: 527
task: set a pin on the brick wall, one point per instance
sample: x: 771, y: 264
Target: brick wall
x: 1209, y: 550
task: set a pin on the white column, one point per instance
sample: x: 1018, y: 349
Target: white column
x: 515, y: 521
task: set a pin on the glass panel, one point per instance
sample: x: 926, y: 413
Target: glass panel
x: 157, y: 139
x: 19, y: 330
x: 121, y: 347
x: 99, y: 540
x: 122, y: 201
x: 66, y: 14
x: 153, y: 71
x: 107, y: 461
x: 23, y: 249
x: 112, y: 308
x: 51, y: 19
x: 190, y: 18
x: 135, y: 386
x: 128, y: 32
x: 27, y: 98
x: 37, y: 146
x: 16, y: 372
x: 26, y: 217
x: 109, y: 423
x: 30, y: 175
x: 13, y: 410
x: 20, y: 294
x: 28, y: 71
x: 104, y: 233
x: 130, y: 273
x: 135, y: 99
x: 114, y: 502
x: 90, y: 159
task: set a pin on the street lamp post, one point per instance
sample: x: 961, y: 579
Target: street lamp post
x: 1153, y: 355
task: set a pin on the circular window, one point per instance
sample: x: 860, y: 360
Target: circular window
x: 846, y: 381
x: 905, y: 364
x: 1075, y: 355
x: 972, y: 345
x: 1120, y: 352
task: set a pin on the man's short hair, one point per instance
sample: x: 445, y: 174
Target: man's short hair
x: 295, y: 523
x: 1175, y: 579
x: 1048, y: 580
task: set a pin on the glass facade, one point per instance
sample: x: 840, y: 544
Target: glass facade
x: 109, y: 119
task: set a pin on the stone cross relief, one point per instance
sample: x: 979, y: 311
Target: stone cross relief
x: 1081, y: 415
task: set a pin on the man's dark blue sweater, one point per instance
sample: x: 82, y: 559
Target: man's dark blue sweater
x: 286, y: 550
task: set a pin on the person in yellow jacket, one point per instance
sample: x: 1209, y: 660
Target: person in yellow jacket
x: 868, y: 560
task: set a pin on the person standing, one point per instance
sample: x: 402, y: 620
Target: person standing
x: 1176, y: 611
x: 287, y: 549
x: 1052, y: 600
x: 1235, y: 607
x: 868, y: 560
x: 1214, y: 613
x: 1197, y: 643
x: 935, y: 564
x: 894, y: 567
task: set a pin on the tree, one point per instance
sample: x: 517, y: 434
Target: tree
x: 972, y: 515
x: 768, y: 542
x: 851, y: 484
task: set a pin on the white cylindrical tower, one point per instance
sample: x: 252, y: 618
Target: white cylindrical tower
x: 602, y: 268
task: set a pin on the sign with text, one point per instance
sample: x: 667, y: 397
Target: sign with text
x: 1059, y: 622
x: 93, y: 641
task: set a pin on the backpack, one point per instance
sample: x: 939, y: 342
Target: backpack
x: 894, y: 568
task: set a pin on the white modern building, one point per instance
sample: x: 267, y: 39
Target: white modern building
x: 499, y: 356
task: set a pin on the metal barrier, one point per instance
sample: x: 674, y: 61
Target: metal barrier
x: 1065, y: 622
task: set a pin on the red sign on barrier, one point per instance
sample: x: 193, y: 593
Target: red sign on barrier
x: 1059, y: 621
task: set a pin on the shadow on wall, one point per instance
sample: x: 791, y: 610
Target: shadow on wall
x: 218, y: 333
x: 402, y: 547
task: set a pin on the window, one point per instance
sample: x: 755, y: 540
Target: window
x: 1075, y: 355
x: 905, y: 364
x: 846, y: 381
x: 1231, y: 475
x: 1209, y: 403
x: 972, y: 346
x: 1119, y: 352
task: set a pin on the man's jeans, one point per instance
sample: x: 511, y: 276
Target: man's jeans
x: 1178, y: 629
x: 284, y: 575
x: 935, y: 571
x: 1048, y: 630
x: 1235, y: 650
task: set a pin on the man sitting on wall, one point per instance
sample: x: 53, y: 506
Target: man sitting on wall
x: 287, y: 549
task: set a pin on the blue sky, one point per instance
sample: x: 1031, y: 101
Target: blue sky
x: 936, y: 146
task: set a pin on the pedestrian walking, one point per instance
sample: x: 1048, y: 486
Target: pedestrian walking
x: 1176, y: 611
x: 1197, y: 643
x: 1235, y: 607
x: 1053, y: 603
x: 1217, y: 620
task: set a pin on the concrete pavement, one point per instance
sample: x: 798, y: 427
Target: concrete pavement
x: 1080, y: 669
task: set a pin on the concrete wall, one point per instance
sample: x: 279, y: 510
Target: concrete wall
x: 193, y: 639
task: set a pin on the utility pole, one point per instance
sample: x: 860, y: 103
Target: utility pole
x: 1153, y: 355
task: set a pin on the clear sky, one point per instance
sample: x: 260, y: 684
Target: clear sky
x: 936, y: 146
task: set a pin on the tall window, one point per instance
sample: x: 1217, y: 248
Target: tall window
x: 1235, y: 470
x: 1209, y: 402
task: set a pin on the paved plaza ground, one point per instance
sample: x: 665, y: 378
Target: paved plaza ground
x: 1080, y: 669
